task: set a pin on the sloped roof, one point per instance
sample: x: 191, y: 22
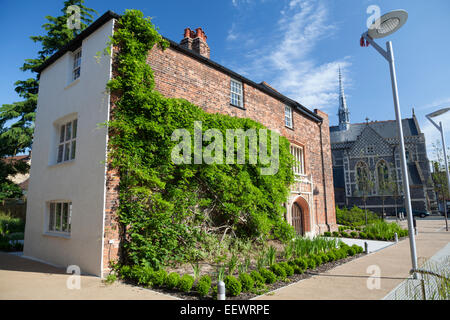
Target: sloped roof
x: 264, y: 87
x: 386, y: 129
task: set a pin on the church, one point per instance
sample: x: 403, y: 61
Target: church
x: 366, y: 163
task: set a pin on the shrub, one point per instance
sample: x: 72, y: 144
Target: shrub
x: 335, y: 234
x: 363, y: 235
x: 327, y: 234
x: 257, y: 278
x: 324, y: 257
x: 111, y: 278
x: 142, y: 275
x: 351, y: 251
x: 353, y: 234
x: 331, y: 256
x: 357, y: 248
x: 317, y: 259
x: 278, y: 270
x: 341, y: 229
x: 298, y: 270
x: 204, y: 285
x: 344, y: 234
x: 158, y: 278
x: 172, y: 280
x: 289, y: 269
x: 186, y: 282
x: 269, y: 276
x: 311, y: 263
x: 301, y: 263
x: 247, y: 282
x: 232, y: 286
x: 370, y: 236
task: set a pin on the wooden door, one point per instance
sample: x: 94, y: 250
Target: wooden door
x: 297, y: 218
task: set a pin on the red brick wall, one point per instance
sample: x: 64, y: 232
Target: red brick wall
x: 178, y: 75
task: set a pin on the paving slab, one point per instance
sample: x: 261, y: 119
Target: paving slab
x: 25, y: 279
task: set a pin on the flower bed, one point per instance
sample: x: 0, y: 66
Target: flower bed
x: 379, y: 230
x: 260, y: 278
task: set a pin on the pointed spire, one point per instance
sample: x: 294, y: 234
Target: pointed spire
x: 343, y: 113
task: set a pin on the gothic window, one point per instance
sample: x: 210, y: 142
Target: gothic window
x: 362, y: 177
x: 382, y: 176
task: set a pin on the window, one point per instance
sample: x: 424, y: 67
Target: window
x: 67, y: 141
x: 299, y: 163
x: 76, y: 70
x: 59, y: 218
x: 383, y: 177
x: 236, y: 93
x: 370, y: 149
x: 288, y: 116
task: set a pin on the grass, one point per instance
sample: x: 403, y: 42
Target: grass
x: 306, y: 246
x: 382, y: 230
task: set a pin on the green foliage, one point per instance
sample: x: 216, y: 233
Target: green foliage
x: 278, y: 270
x: 258, y: 279
x: 158, y: 278
x: 17, y: 137
x: 353, y: 234
x: 327, y: 234
x: 287, y: 268
x: 354, y: 217
x: 268, y: 275
x: 363, y: 235
x: 335, y: 234
x: 164, y: 206
x: 311, y: 263
x: 383, y: 230
x: 247, y: 282
x: 233, y: 286
x: 301, y: 263
x: 196, y: 269
x: 232, y: 264
x: 186, y: 282
x: 111, y: 278
x: 220, y: 273
x: 10, y: 225
x: 331, y: 256
x: 172, y: 280
x: 204, y: 285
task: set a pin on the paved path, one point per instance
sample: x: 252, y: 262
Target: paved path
x: 349, y: 281
x: 22, y: 278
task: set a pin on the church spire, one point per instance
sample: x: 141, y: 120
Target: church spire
x: 344, y: 122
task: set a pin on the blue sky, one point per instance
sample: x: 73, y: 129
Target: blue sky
x: 294, y: 45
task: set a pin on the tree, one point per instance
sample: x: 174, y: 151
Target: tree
x: 439, y: 177
x: 18, y: 136
x: 365, y: 183
x: 384, y: 186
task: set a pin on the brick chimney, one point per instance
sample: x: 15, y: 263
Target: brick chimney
x: 196, y: 41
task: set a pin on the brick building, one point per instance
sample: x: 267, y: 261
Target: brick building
x: 72, y: 219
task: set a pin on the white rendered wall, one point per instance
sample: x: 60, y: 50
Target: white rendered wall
x: 81, y: 181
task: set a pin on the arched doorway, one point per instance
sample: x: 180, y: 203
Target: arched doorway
x: 297, y: 219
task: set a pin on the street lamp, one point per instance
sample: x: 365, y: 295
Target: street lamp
x: 441, y: 129
x: 382, y: 27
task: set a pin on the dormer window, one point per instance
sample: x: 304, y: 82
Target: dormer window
x: 76, y: 70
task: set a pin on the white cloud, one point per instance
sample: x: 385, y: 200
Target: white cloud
x: 285, y: 58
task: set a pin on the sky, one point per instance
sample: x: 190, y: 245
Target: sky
x: 296, y: 46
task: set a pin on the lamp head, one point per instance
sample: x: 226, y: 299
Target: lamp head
x: 438, y: 113
x: 388, y: 24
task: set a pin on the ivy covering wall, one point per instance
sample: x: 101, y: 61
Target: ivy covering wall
x: 167, y: 210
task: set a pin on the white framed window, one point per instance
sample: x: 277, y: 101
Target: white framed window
x: 59, y: 217
x: 67, y: 142
x: 288, y: 116
x: 236, y: 93
x: 76, y: 68
x: 299, y: 159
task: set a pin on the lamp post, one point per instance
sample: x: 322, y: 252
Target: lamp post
x: 441, y: 130
x: 382, y: 27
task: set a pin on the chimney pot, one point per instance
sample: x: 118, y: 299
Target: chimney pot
x: 195, y: 41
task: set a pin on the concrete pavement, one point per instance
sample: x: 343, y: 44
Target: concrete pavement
x: 26, y: 279
x: 349, y: 281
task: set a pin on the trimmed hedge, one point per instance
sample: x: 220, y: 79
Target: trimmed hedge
x: 233, y: 286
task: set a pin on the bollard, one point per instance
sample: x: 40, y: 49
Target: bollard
x: 366, y: 247
x: 221, y: 290
x: 396, y: 237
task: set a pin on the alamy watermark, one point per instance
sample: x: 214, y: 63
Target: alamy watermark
x: 73, y: 21
x: 213, y: 152
x: 74, y: 281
